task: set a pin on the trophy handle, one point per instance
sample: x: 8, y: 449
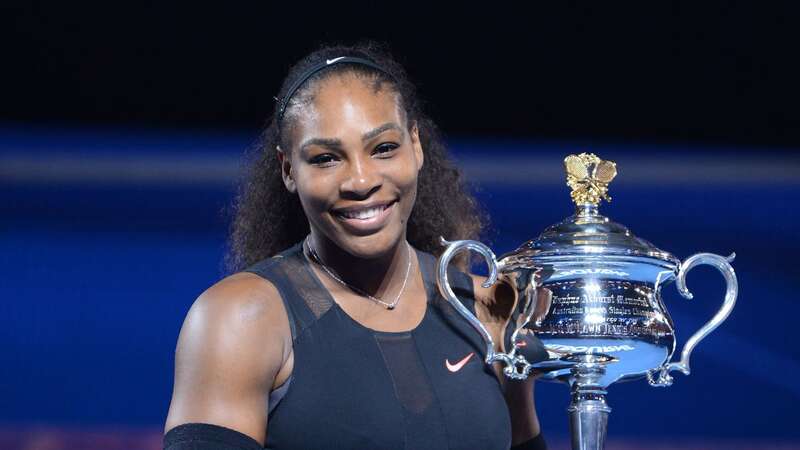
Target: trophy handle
x: 516, y: 365
x: 723, y: 265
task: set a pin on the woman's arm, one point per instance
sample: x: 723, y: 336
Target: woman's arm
x: 494, y: 306
x: 233, y: 348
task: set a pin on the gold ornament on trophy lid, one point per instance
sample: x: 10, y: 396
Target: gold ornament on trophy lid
x: 588, y: 176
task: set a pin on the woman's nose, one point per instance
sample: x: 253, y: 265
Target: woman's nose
x: 361, y: 180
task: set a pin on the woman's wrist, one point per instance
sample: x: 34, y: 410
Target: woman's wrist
x: 521, y: 409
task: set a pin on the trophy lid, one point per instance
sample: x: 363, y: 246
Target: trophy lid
x: 587, y: 232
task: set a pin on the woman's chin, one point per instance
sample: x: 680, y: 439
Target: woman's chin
x: 368, y: 250
x: 373, y: 246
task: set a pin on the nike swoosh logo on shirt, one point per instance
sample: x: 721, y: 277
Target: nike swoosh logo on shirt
x: 457, y: 366
x: 331, y: 61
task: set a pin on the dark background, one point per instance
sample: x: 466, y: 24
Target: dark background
x: 711, y: 72
x: 122, y: 128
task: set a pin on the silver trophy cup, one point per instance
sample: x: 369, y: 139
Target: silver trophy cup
x: 605, y: 321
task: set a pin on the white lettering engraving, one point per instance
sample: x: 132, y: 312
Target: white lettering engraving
x: 592, y: 349
x: 568, y: 273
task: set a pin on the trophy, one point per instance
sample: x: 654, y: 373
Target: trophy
x: 605, y: 321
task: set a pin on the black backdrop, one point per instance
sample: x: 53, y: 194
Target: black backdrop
x: 706, y: 72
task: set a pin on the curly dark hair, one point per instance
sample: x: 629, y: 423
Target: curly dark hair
x: 269, y: 219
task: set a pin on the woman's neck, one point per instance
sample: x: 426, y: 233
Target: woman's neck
x: 377, y: 276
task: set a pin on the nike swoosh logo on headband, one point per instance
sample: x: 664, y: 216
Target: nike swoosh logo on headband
x: 457, y: 366
x: 331, y: 61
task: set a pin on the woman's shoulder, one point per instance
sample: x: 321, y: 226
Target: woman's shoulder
x: 233, y: 343
x: 239, y: 321
x: 240, y: 302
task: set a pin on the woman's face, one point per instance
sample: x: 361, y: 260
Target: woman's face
x: 354, y: 164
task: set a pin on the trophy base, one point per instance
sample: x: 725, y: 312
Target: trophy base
x: 588, y: 410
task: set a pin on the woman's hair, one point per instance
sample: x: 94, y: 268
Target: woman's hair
x: 269, y: 219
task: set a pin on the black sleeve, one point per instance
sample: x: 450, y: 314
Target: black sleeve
x: 204, y: 436
x: 536, y: 443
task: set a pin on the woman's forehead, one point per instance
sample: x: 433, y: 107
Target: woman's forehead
x: 348, y: 103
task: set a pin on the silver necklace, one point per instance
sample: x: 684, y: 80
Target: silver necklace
x: 315, y: 257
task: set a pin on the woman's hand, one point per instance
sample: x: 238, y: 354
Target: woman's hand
x: 494, y: 307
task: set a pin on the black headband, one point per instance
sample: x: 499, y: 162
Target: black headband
x: 316, y: 68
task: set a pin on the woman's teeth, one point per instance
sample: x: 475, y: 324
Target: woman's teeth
x: 363, y: 214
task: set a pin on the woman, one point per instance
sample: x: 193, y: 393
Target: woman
x: 331, y: 333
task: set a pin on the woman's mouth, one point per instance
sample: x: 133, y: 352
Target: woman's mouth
x: 365, y: 220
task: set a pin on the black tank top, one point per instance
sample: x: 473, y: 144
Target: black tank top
x: 356, y: 388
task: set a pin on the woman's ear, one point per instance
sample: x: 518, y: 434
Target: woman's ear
x: 286, y: 170
x: 417, y: 145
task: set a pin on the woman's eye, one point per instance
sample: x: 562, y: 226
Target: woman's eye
x: 384, y: 148
x: 325, y: 159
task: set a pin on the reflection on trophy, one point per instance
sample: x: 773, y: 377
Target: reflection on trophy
x: 606, y: 321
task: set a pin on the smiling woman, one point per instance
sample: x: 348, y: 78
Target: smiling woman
x: 356, y: 168
x: 330, y: 332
